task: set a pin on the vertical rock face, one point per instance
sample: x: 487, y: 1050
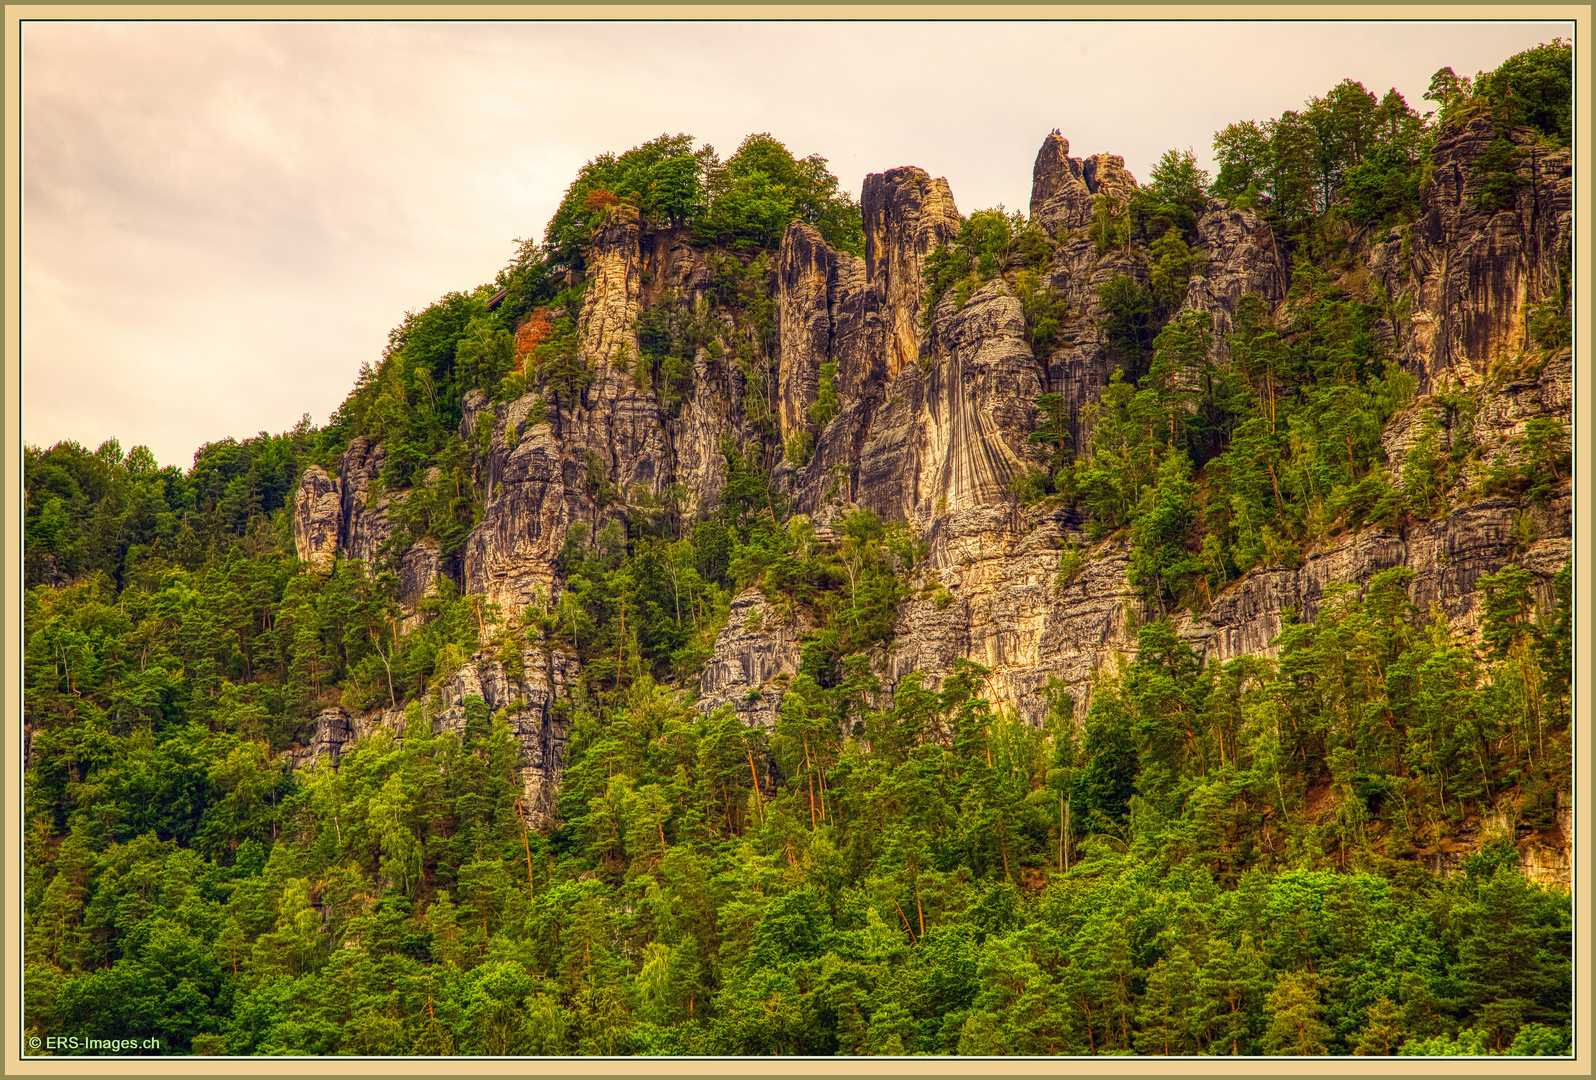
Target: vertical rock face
x: 931, y: 428
x: 906, y: 215
x: 539, y: 728
x: 509, y: 557
x: 362, y: 516
x: 755, y: 654
x: 614, y: 293
x: 316, y: 520
x: 1105, y: 175
x: 867, y: 320
x: 850, y: 328
x: 419, y: 568
x: 1004, y: 605
x: 1472, y: 271
x: 1059, y: 195
x: 979, y: 403
x: 805, y: 275
x: 333, y: 730
x: 1242, y: 258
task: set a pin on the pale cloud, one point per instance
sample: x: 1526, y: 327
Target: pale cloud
x: 222, y: 221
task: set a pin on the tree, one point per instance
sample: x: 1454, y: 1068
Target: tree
x: 1538, y: 84
x: 1295, y: 1027
x: 1177, y: 179
x: 1243, y: 153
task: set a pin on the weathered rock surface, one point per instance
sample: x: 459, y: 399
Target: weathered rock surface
x: 1242, y: 258
x: 906, y: 215
x: 333, y: 730
x: 419, y: 568
x: 980, y: 404
x: 1060, y: 198
x: 867, y: 320
x: 992, y: 593
x: 539, y: 727
x: 509, y: 557
x: 363, y: 523
x: 932, y: 421
x: 806, y: 272
x: 1447, y: 557
x: 1105, y: 174
x: 1472, y: 273
x: 754, y: 655
x: 316, y: 520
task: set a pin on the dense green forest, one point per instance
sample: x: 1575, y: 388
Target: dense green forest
x: 1223, y: 859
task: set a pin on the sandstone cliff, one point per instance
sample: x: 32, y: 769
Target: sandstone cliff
x: 933, y: 412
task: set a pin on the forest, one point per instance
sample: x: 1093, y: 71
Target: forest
x: 1222, y: 859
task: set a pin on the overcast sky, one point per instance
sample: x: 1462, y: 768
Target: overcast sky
x: 222, y: 222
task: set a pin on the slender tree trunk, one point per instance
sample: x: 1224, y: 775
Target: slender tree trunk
x: 1279, y: 502
x: 758, y: 803
x: 906, y: 925
x: 531, y: 889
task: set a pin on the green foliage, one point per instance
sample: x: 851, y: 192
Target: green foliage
x: 800, y: 448
x: 824, y: 409
x: 1550, y: 326
x: 1128, y: 322
x: 668, y: 338
x: 762, y: 188
x: 987, y: 242
x: 664, y: 178
x: 1044, y: 312
x: 1499, y: 163
x: 1177, y: 180
x: 1051, y: 442
x: 1346, y: 149
x: 876, y: 874
x: 1282, y: 445
x: 1534, y: 88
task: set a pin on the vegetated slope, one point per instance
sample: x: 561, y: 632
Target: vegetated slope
x: 1141, y: 625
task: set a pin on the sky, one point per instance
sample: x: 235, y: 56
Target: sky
x: 222, y: 222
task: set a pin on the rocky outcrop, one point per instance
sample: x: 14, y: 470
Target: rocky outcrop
x: 907, y: 215
x: 755, y: 654
x: 333, y: 730
x: 509, y: 557
x: 1447, y: 557
x: 418, y: 571
x: 614, y: 296
x: 1060, y: 198
x: 1001, y: 596
x: 316, y: 518
x: 1064, y: 189
x: 980, y: 405
x: 333, y: 517
x: 1105, y: 174
x: 805, y: 277
x: 934, y: 411
x: 529, y: 699
x: 363, y: 524
x: 1242, y: 258
x: 867, y: 320
x: 1469, y: 273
